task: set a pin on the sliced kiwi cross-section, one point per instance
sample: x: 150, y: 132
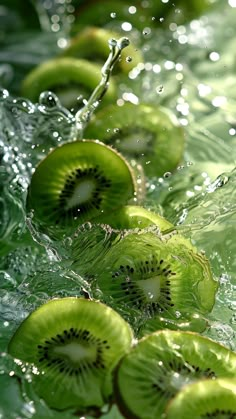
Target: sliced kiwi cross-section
x: 150, y: 135
x: 68, y: 77
x: 154, y: 275
x: 73, y: 343
x: 205, y: 399
x: 163, y: 363
x: 77, y: 182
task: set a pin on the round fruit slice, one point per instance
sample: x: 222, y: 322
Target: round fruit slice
x: 77, y: 182
x: 162, y: 364
x: 134, y: 216
x: 92, y: 43
x: 73, y: 343
x: 68, y: 78
x: 150, y: 135
x: 193, y: 323
x: 156, y: 276
x: 205, y: 399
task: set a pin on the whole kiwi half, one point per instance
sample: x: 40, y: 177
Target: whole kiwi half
x: 150, y: 135
x: 68, y: 78
x: 92, y: 43
x: 73, y: 344
x: 151, y: 275
x: 163, y: 363
x: 77, y: 182
x: 205, y: 399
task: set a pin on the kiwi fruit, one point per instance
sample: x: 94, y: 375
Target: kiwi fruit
x: 92, y: 43
x: 150, y: 135
x: 163, y: 363
x: 77, y: 182
x: 134, y: 216
x: 68, y: 78
x: 72, y: 344
x: 193, y: 323
x: 147, y: 275
x: 205, y: 399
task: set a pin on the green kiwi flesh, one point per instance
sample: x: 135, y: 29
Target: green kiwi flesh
x: 134, y: 216
x: 78, y: 181
x: 62, y: 76
x: 153, y: 275
x: 92, y: 43
x: 150, y: 135
x: 193, y: 323
x: 72, y: 344
x: 163, y: 363
x: 205, y: 399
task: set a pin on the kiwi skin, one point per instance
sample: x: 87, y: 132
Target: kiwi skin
x: 92, y: 43
x: 86, y: 337
x: 205, y: 398
x: 62, y: 71
x: 151, y: 136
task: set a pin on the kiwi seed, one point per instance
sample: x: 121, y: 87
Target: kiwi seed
x: 72, y: 344
x: 163, y: 363
x: 77, y: 182
x: 205, y: 399
x: 150, y: 135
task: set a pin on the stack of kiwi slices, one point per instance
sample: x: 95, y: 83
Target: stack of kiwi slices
x: 77, y: 182
x: 166, y: 362
x: 73, y: 345
x: 69, y: 78
x: 150, y: 135
x: 92, y: 43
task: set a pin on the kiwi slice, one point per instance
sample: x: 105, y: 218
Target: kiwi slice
x: 72, y: 344
x: 150, y: 135
x: 193, y: 323
x: 92, y: 43
x: 77, y: 182
x: 205, y: 399
x: 134, y: 216
x: 68, y: 77
x: 150, y: 275
x: 163, y: 363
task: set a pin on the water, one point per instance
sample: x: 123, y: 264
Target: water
x: 190, y: 70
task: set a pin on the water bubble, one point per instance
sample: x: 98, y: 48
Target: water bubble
x: 113, y: 15
x: 167, y: 174
x: 48, y: 99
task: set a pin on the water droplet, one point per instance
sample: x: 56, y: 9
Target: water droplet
x: 48, y: 99
x: 128, y: 59
x: 167, y: 174
x: 113, y: 15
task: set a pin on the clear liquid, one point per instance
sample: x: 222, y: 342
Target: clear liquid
x: 199, y: 197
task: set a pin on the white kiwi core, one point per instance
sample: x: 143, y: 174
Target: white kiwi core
x: 82, y: 193
x: 76, y: 352
x: 151, y: 288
